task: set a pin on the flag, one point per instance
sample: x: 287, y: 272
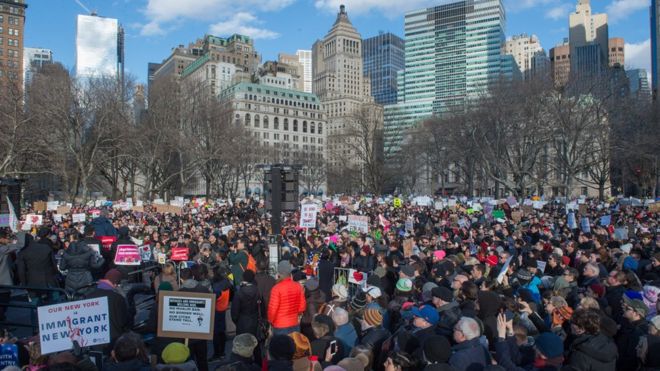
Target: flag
x: 384, y: 222
x: 13, y: 220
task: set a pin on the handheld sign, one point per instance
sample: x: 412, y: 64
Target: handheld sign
x: 358, y: 223
x: 188, y: 315
x: 128, y: 255
x: 308, y: 215
x: 84, y: 321
x: 179, y: 254
x: 8, y: 355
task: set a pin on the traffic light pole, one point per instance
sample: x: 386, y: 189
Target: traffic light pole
x: 276, y: 201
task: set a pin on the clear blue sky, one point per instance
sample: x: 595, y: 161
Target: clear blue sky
x: 153, y: 27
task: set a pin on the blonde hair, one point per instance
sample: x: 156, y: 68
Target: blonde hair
x: 588, y: 303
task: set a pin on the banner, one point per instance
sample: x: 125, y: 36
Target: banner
x: 179, y: 254
x: 127, y: 255
x: 308, y: 215
x: 187, y: 315
x: 84, y: 321
x: 358, y: 223
x: 78, y: 218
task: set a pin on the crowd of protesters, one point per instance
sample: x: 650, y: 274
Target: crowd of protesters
x: 432, y: 287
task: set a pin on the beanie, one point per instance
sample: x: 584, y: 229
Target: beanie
x: 281, y: 348
x: 175, y: 353
x: 437, y: 349
x: 404, y: 285
x: 550, y: 345
x: 373, y: 317
x: 359, y: 300
x: 244, y: 344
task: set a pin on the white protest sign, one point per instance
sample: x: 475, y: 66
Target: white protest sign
x: 505, y: 267
x: 186, y: 315
x: 358, y: 223
x: 13, y: 220
x: 342, y: 218
x: 84, y: 321
x: 34, y: 220
x: 52, y: 205
x: 308, y: 215
x: 78, y: 218
x: 57, y: 218
x: 410, y: 223
x: 226, y: 229
x: 540, y: 264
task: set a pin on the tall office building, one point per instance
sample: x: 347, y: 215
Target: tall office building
x: 655, y: 46
x: 589, y: 32
x: 305, y: 60
x: 287, y: 64
x: 616, y: 49
x: 12, y: 26
x: 639, y: 83
x: 99, y: 47
x: 560, y: 63
x: 345, y: 94
x: 523, y: 48
x: 33, y: 60
x: 541, y: 66
x: 452, y: 53
x: 383, y: 58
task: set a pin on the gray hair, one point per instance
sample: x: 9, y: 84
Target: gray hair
x: 469, y: 327
x: 594, y: 267
x: 340, y: 316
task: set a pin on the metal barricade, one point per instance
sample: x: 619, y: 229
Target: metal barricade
x: 33, y: 298
x: 343, y: 274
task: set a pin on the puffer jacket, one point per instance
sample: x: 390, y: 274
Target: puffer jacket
x: 592, y: 352
x: 79, y: 260
x: 245, y: 309
x: 287, y: 302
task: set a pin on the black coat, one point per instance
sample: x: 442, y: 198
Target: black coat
x: 627, y: 340
x: 374, y: 338
x: 245, y: 309
x: 265, y: 283
x: 364, y: 263
x: 36, y: 265
x: 613, y: 295
x: 79, y: 260
x: 120, y: 320
x: 592, y: 352
x: 326, y: 277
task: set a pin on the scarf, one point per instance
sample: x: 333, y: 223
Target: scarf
x: 541, y: 363
x: 561, y: 315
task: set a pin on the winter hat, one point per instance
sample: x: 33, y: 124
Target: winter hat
x: 404, y: 285
x: 359, y: 300
x: 566, y: 260
x: 340, y: 292
x: 284, y: 268
x: 312, y: 284
x: 366, y: 249
x: 303, y: 346
x: 443, y: 293
x: 637, y: 305
x: 655, y: 321
x: 492, y: 260
x: 373, y: 291
x: 113, y: 276
x: 244, y: 344
x: 651, y: 294
x: 524, y: 275
x: 281, y: 348
x: 439, y: 254
x: 408, y: 270
x: 175, y: 353
x: 373, y: 317
x: 428, y: 286
x: 426, y: 312
x: 550, y: 345
x: 437, y: 349
x: 598, y: 289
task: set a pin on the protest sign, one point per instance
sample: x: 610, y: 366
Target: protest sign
x: 606, y: 220
x: 582, y: 209
x: 145, y: 253
x: 438, y: 205
x: 52, y: 205
x: 63, y: 209
x: 139, y: 209
x: 540, y: 264
x: 84, y: 321
x: 654, y: 207
x: 34, y: 220
x: 308, y: 215
x: 39, y: 206
x: 397, y: 203
x: 451, y: 202
x: 4, y: 220
x: 621, y: 234
x: 570, y: 222
x: 8, y: 355
x: 505, y: 268
x: 343, y: 218
x: 13, y: 219
x: 512, y: 201
x: 57, y: 218
x: 188, y: 315
x: 226, y: 229
x: 358, y: 223
x: 179, y: 254
x: 585, y: 225
x: 410, y: 224
x: 356, y: 277
x: 408, y: 247
x: 78, y: 218
x: 127, y: 255
x: 516, y: 216
x: 498, y: 214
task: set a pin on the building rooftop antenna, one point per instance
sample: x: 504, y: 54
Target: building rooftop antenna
x: 84, y: 7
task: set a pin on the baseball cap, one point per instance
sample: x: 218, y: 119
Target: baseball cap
x: 427, y: 312
x: 373, y: 291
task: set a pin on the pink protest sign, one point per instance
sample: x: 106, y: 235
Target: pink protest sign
x: 128, y: 255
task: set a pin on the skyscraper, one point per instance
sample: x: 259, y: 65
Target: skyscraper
x: 452, y: 53
x: 655, y: 46
x: 345, y: 94
x: 585, y: 30
x: 305, y: 59
x: 560, y: 63
x: 383, y: 58
x: 99, y: 47
x: 33, y: 60
x: 616, y: 49
x: 523, y: 48
x: 12, y: 19
x: 639, y: 83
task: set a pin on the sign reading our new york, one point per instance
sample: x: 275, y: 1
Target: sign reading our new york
x: 84, y: 321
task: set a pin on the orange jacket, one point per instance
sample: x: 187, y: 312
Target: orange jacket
x: 287, y: 302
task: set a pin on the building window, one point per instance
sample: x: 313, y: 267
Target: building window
x: 265, y: 122
x: 286, y: 124
x: 312, y: 127
x: 295, y: 125
x: 304, y: 126
x: 247, y: 119
x: 276, y: 123
x: 256, y: 121
x: 320, y: 128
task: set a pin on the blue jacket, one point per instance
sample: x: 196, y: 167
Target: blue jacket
x: 469, y: 356
x: 348, y: 337
x: 103, y: 227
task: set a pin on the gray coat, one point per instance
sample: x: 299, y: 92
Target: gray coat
x: 6, y: 271
x: 78, y: 260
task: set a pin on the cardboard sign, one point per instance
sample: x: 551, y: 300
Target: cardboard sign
x: 308, y: 215
x: 138, y: 209
x: 39, y: 206
x: 358, y: 223
x: 63, y: 209
x: 78, y: 218
x: 34, y: 220
x: 179, y: 254
x: 408, y: 244
x: 85, y: 321
x: 163, y: 209
x: 128, y: 255
x: 516, y: 216
x: 8, y: 355
x: 654, y: 207
x: 582, y: 208
x: 187, y: 315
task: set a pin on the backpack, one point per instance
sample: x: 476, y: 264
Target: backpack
x: 251, y: 264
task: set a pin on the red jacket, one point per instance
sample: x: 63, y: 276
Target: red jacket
x: 287, y: 302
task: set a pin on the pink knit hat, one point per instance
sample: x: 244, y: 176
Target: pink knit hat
x: 439, y: 254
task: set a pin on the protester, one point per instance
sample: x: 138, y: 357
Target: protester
x: 287, y: 302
